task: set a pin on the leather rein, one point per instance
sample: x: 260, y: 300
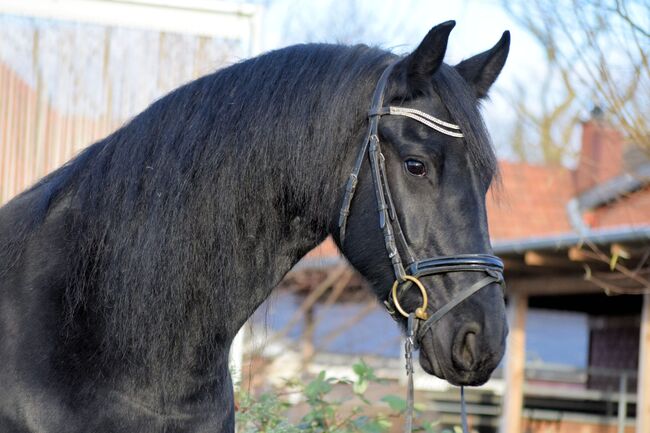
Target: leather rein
x: 406, y: 276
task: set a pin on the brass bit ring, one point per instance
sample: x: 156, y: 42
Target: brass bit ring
x: 420, y: 312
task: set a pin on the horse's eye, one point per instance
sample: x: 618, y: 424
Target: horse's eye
x: 415, y: 167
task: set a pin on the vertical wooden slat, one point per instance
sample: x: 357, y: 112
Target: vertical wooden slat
x: 19, y: 134
x: 4, y: 161
x: 10, y: 149
x: 28, y: 140
x: 77, y: 123
x: 42, y: 127
x: 40, y: 140
x: 66, y: 138
x: 513, y: 398
x: 49, y: 138
x: 107, y: 82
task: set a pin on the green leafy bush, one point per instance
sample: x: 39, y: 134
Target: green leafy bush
x: 321, y: 411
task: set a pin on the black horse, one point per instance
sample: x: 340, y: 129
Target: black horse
x: 126, y: 273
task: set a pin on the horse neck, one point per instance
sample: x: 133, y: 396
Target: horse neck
x: 174, y: 282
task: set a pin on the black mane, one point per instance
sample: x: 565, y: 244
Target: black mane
x: 166, y: 207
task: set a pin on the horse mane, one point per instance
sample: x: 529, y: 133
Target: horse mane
x: 168, y: 204
x: 174, y: 204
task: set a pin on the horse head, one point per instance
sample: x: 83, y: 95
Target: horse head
x: 414, y: 213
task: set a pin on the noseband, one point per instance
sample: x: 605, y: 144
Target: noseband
x: 409, y: 275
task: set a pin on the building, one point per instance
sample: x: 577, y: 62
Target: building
x: 576, y: 246
x: 584, y: 248
x: 71, y: 73
x: 559, y: 231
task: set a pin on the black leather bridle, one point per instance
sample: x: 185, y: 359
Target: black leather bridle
x: 406, y: 276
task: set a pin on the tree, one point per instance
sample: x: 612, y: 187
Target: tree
x: 596, y: 54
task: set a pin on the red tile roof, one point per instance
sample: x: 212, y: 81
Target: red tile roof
x: 530, y: 202
x: 630, y: 210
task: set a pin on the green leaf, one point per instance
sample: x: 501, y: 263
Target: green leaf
x: 361, y: 368
x: 385, y: 423
x: 397, y: 404
x: 360, y: 387
x: 374, y: 426
x: 430, y: 426
x: 613, y: 261
x: 317, y: 388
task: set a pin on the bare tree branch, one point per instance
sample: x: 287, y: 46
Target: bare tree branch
x: 596, y: 53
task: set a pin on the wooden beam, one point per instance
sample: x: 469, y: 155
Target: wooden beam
x: 513, y: 264
x: 551, y: 285
x: 515, y: 361
x: 577, y: 254
x: 534, y: 258
x: 643, y: 386
x: 307, y: 338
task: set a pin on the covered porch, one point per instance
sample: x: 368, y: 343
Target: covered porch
x: 598, y: 274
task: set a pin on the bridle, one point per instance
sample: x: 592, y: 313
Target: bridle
x: 390, y: 225
x: 409, y: 275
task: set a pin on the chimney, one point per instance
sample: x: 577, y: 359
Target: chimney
x: 601, y: 154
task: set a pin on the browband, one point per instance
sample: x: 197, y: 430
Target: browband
x: 420, y: 116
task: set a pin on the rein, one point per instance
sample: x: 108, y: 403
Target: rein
x: 418, y: 321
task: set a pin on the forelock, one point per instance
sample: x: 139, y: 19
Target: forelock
x: 458, y: 98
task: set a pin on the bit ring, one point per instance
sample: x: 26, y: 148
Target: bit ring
x: 420, y: 312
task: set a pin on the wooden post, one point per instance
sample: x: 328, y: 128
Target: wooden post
x: 643, y: 388
x: 515, y: 361
x: 307, y: 338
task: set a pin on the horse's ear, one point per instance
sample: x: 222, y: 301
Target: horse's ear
x: 482, y: 70
x: 427, y: 57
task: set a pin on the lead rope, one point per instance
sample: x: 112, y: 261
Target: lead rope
x: 463, y: 410
x: 409, y: 345
x: 408, y: 354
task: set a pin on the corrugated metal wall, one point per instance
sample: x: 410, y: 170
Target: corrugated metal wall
x: 64, y: 85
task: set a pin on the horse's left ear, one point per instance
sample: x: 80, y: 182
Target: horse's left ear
x: 482, y: 70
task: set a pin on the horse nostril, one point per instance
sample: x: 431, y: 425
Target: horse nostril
x: 465, y: 350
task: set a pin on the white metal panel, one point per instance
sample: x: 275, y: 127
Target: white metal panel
x: 196, y: 17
